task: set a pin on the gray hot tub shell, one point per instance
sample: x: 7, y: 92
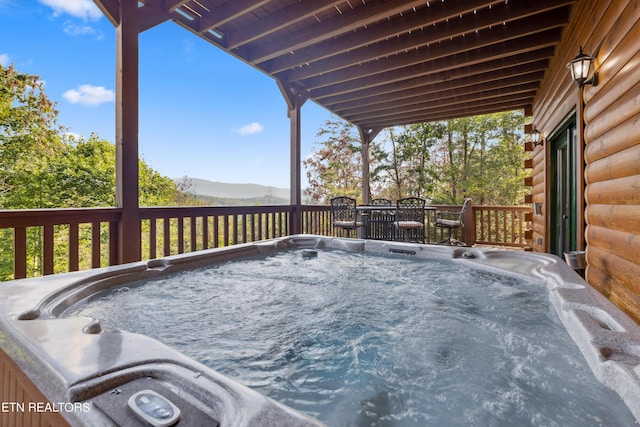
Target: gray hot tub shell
x: 73, y: 360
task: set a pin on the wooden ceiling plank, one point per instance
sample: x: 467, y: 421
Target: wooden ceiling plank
x: 396, y: 69
x: 462, y: 114
x: 191, y: 25
x: 503, y: 68
x: 423, y: 17
x: 152, y: 14
x: 375, y: 10
x: 469, y: 85
x: 228, y: 12
x: 332, y: 56
x: 473, y: 47
x: 172, y: 5
x: 447, y: 100
x: 277, y: 21
x: 355, y: 89
x: 438, y: 115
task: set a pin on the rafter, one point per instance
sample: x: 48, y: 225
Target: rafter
x: 443, y: 114
x: 340, y: 24
x: 454, y: 100
x: 464, y: 52
x: 434, y: 24
x: 279, y: 20
x: 452, y: 35
x: 381, y: 63
x: 228, y: 12
x: 492, y: 70
x: 467, y: 85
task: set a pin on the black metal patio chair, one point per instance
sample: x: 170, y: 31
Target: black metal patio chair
x: 410, y: 219
x: 451, y: 220
x: 343, y: 214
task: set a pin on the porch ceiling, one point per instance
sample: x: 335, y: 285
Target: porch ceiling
x: 380, y: 63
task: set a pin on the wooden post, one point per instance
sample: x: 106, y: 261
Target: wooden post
x: 295, y: 221
x: 366, y: 188
x: 469, y: 229
x: 295, y: 101
x: 366, y: 136
x: 127, y: 191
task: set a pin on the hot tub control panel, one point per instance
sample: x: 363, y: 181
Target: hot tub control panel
x: 147, y: 401
x: 154, y: 408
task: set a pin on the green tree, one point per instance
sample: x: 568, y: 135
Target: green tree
x: 336, y: 167
x: 29, y: 133
x: 479, y: 157
x: 41, y: 167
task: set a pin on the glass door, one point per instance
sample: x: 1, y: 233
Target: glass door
x: 563, y: 221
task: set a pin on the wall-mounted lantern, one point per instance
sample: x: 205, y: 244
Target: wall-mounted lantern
x: 580, y: 68
x: 536, y: 137
x: 537, y: 208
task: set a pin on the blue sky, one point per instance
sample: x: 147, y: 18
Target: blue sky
x: 203, y: 113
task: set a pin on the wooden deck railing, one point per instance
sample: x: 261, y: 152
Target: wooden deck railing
x: 47, y: 241
x: 502, y: 225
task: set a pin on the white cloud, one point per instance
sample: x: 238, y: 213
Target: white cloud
x: 249, y: 129
x: 79, y: 30
x: 89, y: 95
x: 84, y: 9
x: 4, y: 59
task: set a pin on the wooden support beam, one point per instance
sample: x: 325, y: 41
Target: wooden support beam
x: 367, y: 135
x: 294, y: 104
x: 151, y: 15
x: 110, y: 9
x: 127, y: 191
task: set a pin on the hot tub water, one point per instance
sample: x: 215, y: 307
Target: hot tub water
x: 361, y: 339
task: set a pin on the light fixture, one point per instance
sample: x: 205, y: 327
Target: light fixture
x: 580, y: 67
x: 536, y: 137
x: 537, y: 208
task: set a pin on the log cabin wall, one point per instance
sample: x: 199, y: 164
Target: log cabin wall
x: 608, y: 134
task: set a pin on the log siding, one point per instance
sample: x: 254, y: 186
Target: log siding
x: 608, y: 131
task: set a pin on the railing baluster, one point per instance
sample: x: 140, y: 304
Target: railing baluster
x: 267, y: 217
x: 73, y: 247
x: 216, y: 230
x: 180, y: 235
x: 47, y: 250
x: 166, y: 231
x: 194, y: 241
x: 152, y: 238
x: 95, y: 244
x: 113, y: 242
x: 252, y: 217
x: 225, y: 230
x: 205, y: 232
x: 520, y: 228
x: 234, y: 221
x: 20, y: 252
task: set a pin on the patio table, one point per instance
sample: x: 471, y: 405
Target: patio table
x: 379, y: 222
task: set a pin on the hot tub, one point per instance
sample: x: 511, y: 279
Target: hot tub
x: 88, y: 370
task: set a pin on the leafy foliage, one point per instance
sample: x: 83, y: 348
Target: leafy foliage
x: 479, y: 157
x: 335, y: 168
x: 42, y: 167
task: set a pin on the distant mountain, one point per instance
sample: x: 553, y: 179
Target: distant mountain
x: 222, y: 190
